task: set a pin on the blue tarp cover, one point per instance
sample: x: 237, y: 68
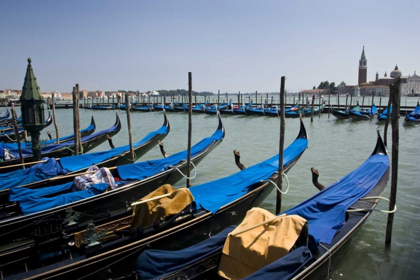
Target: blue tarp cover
x: 38, y: 172
x: 19, y: 194
x: 26, y: 152
x: 32, y: 201
x: 382, y: 116
x: 325, y: 211
x: 32, y: 204
x: 213, y: 195
x: 141, y: 170
x: 75, y: 163
x: 152, y: 264
x: 285, y: 267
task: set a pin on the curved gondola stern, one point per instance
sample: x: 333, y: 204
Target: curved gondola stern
x: 117, y: 123
x: 92, y: 122
x: 166, y: 121
x: 221, y: 127
x: 380, y: 146
x: 302, y: 132
x: 49, y: 119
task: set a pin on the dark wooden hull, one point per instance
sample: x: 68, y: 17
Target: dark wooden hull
x: 340, y: 114
x: 10, y: 165
x: 357, y: 117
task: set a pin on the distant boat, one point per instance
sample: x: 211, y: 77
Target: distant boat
x: 414, y: 116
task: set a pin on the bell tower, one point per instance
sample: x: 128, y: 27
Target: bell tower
x: 363, y: 68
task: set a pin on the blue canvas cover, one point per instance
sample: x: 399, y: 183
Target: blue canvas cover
x: 326, y: 210
x: 19, y: 194
x: 153, y: 264
x: 382, y: 116
x: 26, y: 152
x: 32, y: 204
x: 38, y: 172
x: 213, y: 195
x: 79, y: 162
x: 285, y: 267
x: 136, y: 171
x: 141, y: 170
x: 415, y: 115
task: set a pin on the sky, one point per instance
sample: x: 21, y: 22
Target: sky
x: 228, y: 45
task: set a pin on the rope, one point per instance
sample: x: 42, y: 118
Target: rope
x: 379, y: 210
x: 132, y: 160
x: 185, y: 176
x: 329, y: 258
x: 288, y: 184
x: 10, y: 139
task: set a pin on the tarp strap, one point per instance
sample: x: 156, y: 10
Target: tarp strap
x: 185, y: 176
x: 288, y: 184
x: 379, y: 210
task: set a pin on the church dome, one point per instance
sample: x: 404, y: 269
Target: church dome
x: 396, y: 73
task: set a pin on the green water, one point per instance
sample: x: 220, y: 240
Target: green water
x: 335, y: 149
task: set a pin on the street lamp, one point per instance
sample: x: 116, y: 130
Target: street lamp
x: 32, y: 110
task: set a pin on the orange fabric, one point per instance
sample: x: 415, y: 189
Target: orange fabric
x: 146, y: 214
x: 251, y: 250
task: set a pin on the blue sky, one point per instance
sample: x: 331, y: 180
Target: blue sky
x: 232, y: 46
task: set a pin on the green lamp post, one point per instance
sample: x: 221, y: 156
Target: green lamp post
x: 32, y: 110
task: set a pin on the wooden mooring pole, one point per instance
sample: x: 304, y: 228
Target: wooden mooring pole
x: 57, y: 133
x: 395, y: 93
x: 130, y: 132
x: 281, y: 145
x: 329, y: 104
x: 76, y: 120
x: 17, y: 136
x: 312, y: 107
x: 189, y: 130
x: 387, y: 119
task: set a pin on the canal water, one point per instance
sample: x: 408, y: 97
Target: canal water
x: 335, y: 149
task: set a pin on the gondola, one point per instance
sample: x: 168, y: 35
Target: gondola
x: 382, y: 116
x: 50, y: 170
x: 241, y: 110
x: 85, y: 132
x: 362, y: 114
x: 62, y: 149
x: 213, y: 109
x: 101, y: 107
x: 255, y: 111
x: 305, y: 112
x: 143, y: 108
x: 8, y: 135
x: 275, y: 111
x: 327, y: 222
x: 341, y: 114
x: 137, y: 180
x: 199, y: 108
x: 216, y: 205
x: 413, y: 117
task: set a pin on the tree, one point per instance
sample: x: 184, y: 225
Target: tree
x: 314, y: 87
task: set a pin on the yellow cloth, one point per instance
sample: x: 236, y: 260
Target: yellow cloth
x: 251, y: 250
x: 146, y: 214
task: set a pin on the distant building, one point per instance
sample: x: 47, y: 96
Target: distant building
x: 363, y: 68
x: 380, y: 87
